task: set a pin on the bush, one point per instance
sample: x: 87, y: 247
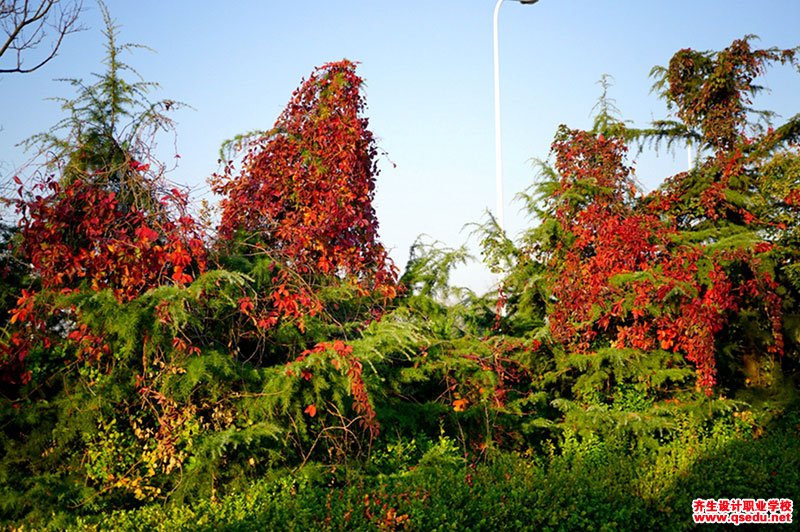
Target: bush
x: 581, y: 484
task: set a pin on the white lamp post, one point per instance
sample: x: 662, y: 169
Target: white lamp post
x: 498, y: 154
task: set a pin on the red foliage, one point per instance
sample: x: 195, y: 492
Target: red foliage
x: 305, y: 191
x: 713, y: 91
x: 82, y: 233
x: 623, y: 274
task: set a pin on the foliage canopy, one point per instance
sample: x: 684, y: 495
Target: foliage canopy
x: 146, y: 359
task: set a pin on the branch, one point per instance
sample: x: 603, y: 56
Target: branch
x: 662, y: 131
x: 25, y: 26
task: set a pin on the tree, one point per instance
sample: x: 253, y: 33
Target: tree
x: 306, y: 187
x: 303, y: 199
x: 739, y: 199
x: 148, y: 377
x: 302, y: 203
x: 104, y: 216
x: 689, y: 269
x: 102, y: 232
x: 649, y: 299
x: 26, y: 25
x: 108, y: 214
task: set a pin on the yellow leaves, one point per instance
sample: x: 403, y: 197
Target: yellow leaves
x: 133, y: 484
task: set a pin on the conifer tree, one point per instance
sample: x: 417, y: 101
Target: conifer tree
x: 306, y: 187
x: 104, y: 215
x: 738, y: 198
x: 102, y: 231
x: 641, y: 292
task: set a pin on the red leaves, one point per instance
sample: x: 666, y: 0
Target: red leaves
x: 460, y: 404
x: 101, y: 229
x: 620, y: 273
x: 306, y: 189
x: 246, y: 305
x: 84, y: 232
x: 714, y: 90
x: 24, y: 307
x: 584, y: 160
x: 145, y: 234
x: 90, y: 347
x: 341, y: 348
x: 793, y: 198
x: 139, y: 167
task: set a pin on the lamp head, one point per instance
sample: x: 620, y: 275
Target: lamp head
x: 528, y: 1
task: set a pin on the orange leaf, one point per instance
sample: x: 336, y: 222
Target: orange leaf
x: 459, y: 405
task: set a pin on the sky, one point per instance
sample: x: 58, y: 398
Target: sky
x: 427, y: 65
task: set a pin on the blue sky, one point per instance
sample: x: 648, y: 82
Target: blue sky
x: 428, y: 70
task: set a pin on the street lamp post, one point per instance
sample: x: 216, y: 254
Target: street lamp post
x: 498, y: 153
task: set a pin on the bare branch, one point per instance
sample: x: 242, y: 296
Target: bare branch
x: 26, y: 26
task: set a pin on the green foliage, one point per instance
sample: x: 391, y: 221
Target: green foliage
x: 578, y: 483
x: 184, y: 389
